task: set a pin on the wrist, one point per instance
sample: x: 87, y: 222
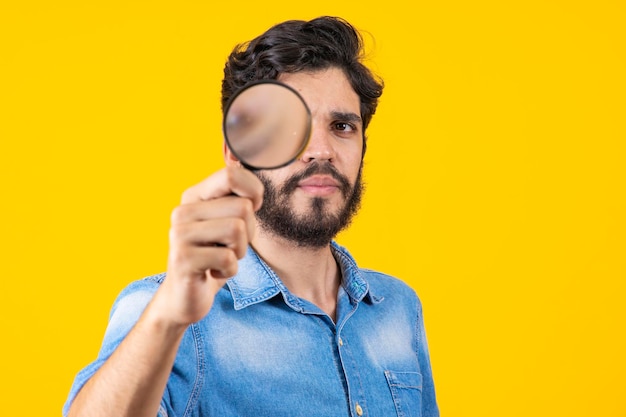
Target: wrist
x: 158, y: 318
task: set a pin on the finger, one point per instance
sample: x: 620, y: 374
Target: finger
x: 230, y: 180
x: 218, y: 208
x: 203, y: 262
x: 230, y: 206
x: 230, y: 232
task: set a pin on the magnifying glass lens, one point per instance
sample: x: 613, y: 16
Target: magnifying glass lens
x: 267, y: 125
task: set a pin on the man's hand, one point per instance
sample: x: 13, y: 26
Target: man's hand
x: 210, y: 231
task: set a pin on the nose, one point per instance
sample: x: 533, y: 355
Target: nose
x: 320, y: 147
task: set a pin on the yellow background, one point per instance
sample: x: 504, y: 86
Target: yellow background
x: 495, y: 174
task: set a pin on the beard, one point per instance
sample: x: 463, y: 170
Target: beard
x: 318, y: 225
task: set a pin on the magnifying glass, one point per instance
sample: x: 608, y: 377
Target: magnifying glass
x: 266, y: 125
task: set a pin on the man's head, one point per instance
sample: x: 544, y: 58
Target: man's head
x: 309, y: 201
x: 298, y: 45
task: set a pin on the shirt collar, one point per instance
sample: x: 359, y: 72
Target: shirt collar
x: 257, y: 282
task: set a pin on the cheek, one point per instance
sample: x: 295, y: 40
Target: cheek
x: 353, y: 163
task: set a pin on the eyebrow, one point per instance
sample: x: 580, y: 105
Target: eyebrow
x: 346, y: 117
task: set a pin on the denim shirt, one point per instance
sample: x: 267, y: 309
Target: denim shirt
x: 262, y: 351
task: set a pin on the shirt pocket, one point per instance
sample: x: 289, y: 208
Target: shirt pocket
x: 406, y: 390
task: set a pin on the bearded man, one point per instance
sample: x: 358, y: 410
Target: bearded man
x: 260, y: 312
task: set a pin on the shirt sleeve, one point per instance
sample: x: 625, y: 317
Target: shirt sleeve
x: 125, y: 312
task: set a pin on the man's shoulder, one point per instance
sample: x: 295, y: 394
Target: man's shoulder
x: 148, y: 283
x: 388, y: 283
x: 379, y: 283
x: 137, y: 294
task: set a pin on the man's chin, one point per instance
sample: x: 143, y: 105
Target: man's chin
x: 312, y: 229
x: 305, y: 220
x: 315, y: 215
x: 303, y: 204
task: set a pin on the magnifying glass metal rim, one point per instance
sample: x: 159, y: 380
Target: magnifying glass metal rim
x: 307, y: 133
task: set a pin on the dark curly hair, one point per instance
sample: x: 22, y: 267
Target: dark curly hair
x: 297, y: 45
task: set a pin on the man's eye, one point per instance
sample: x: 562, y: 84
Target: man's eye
x: 344, y: 127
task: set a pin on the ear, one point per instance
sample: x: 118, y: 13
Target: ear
x: 229, y: 158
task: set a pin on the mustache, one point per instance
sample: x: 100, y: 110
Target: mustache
x: 318, y: 168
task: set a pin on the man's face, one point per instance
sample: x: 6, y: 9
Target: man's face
x: 309, y: 201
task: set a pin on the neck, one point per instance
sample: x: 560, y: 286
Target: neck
x: 309, y: 273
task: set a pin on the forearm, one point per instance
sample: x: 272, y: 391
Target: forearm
x: 133, y: 379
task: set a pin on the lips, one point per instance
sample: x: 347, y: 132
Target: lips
x: 319, y: 185
x: 315, y: 178
x: 319, y: 181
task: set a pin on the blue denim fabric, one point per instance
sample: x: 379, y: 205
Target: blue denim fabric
x: 261, y: 351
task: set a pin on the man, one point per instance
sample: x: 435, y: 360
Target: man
x: 299, y: 329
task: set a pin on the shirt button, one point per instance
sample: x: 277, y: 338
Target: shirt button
x: 340, y: 342
x: 359, y: 410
